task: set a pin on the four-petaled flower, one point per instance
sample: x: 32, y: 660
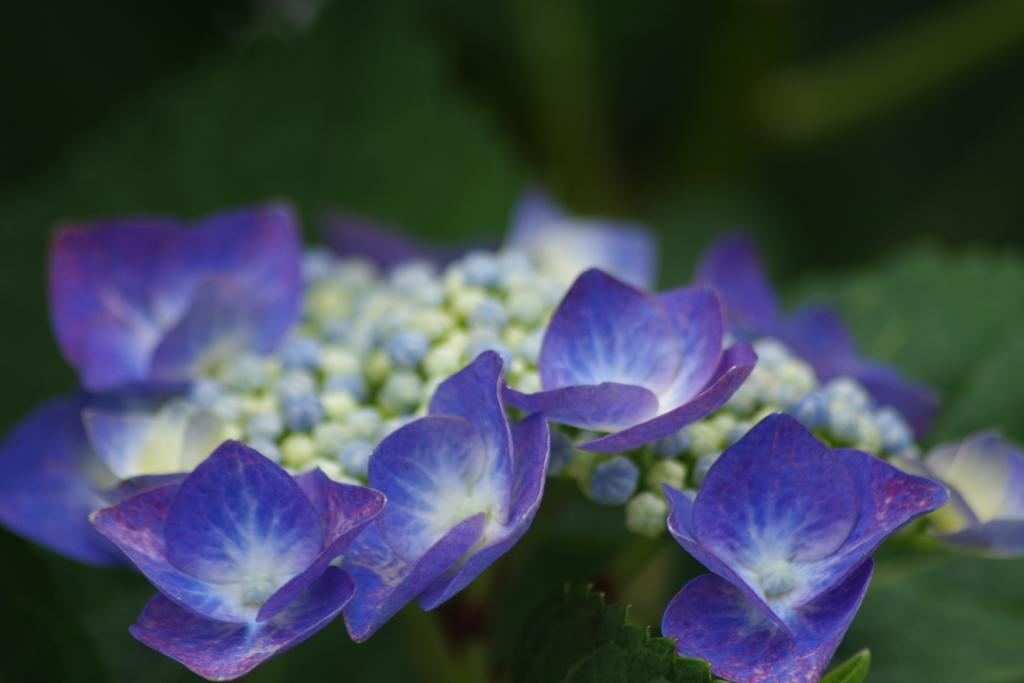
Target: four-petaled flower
x: 816, y: 333
x: 985, y: 476
x: 788, y: 527
x: 616, y: 359
x: 241, y: 554
x: 462, y: 486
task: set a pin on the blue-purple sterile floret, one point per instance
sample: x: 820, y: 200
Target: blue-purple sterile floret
x: 240, y: 552
x: 787, y: 526
x: 616, y: 359
x: 463, y: 486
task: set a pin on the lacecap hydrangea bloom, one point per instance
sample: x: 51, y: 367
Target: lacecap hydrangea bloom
x: 787, y: 526
x: 985, y: 477
x: 241, y: 554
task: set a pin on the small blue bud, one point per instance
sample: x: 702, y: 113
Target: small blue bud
x: 228, y: 408
x: 204, y: 392
x: 562, y: 452
x: 407, y: 349
x: 336, y: 329
x: 401, y: 392
x: 264, y: 426
x: 353, y: 384
x: 246, y: 372
x: 489, y: 314
x: 842, y: 422
x: 296, y: 383
x: 614, y: 481
x: 480, y: 269
x: 849, y: 391
x: 811, y: 410
x: 896, y: 434
x: 355, y: 457
x: 302, y: 413
x: 673, y: 445
x: 300, y: 353
x: 703, y: 464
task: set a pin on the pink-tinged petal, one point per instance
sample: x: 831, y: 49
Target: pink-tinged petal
x: 698, y: 315
x: 998, y: 538
x: 429, y: 471
x: 603, y: 407
x: 776, y: 493
x: 223, y: 651
x: 136, y: 525
x: 385, y: 583
x: 46, y: 492
x: 345, y: 511
x: 474, y: 394
x: 532, y: 443
x: 607, y: 331
x: 734, y: 368
x: 237, y: 515
x: 566, y: 246
x: 732, y: 265
x: 712, y: 620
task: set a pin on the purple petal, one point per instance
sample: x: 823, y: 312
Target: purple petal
x: 736, y: 364
x: 603, y: 407
x: 345, y: 511
x: 433, y: 474
x: 698, y: 315
x: 136, y: 525
x: 887, y: 499
x: 777, y: 494
x: 239, y: 515
x: 46, y: 493
x: 998, y: 538
x: 385, y: 583
x: 115, y: 289
x: 532, y: 446
x: 474, y: 394
x: 732, y: 266
x: 918, y: 403
x: 222, y: 651
x: 351, y: 235
x: 607, y: 331
x: 713, y: 621
x: 568, y: 246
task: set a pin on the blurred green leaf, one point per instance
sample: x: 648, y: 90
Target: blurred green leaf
x: 41, y: 638
x: 852, y: 670
x: 575, y: 637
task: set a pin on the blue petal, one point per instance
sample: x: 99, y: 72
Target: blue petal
x: 568, y: 246
x: 345, y: 511
x: 385, y: 583
x: 698, y: 315
x: 474, y: 394
x: 732, y: 371
x: 115, y: 289
x: 45, y: 489
x: 998, y: 538
x: 239, y: 517
x: 732, y: 266
x: 136, y: 525
x: 607, y: 331
x: 433, y: 472
x: 532, y: 443
x: 352, y: 235
x: 603, y: 407
x: 711, y: 620
x: 223, y: 651
x: 777, y: 492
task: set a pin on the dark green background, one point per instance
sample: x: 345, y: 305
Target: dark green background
x: 875, y: 147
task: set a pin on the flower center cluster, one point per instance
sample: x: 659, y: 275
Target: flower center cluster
x: 777, y: 577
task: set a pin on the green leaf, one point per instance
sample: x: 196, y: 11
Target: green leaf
x: 853, y: 670
x: 575, y: 638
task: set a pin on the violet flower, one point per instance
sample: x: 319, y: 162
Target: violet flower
x: 816, y: 333
x: 788, y: 526
x: 240, y: 552
x: 616, y: 359
x: 146, y: 300
x: 985, y: 476
x: 462, y: 486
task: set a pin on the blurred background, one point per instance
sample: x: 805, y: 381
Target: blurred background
x: 874, y: 147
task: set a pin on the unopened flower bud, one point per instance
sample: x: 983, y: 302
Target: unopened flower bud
x: 646, y: 515
x: 614, y: 481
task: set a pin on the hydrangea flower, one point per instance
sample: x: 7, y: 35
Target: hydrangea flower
x: 616, y: 359
x: 462, y: 486
x: 985, y: 476
x: 816, y: 333
x: 241, y: 554
x: 788, y: 526
x: 146, y: 300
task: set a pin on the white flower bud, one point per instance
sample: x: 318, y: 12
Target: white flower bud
x: 646, y: 515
